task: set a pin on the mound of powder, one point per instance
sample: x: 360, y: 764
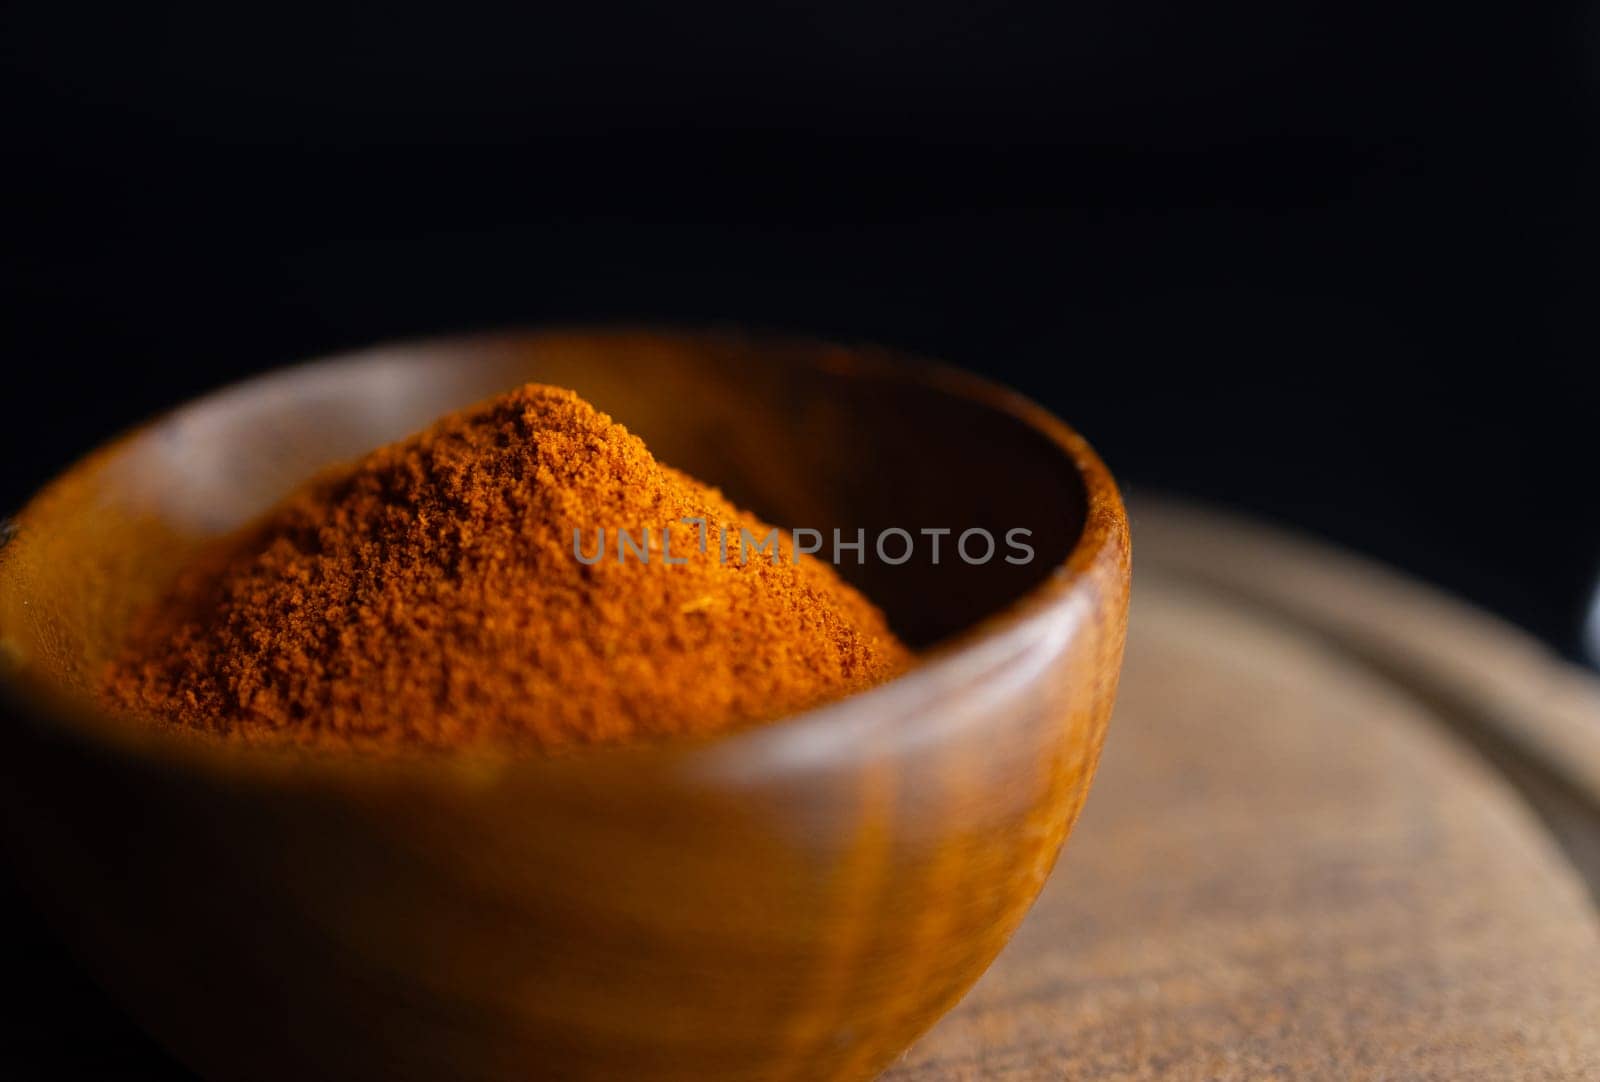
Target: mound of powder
x: 429, y: 596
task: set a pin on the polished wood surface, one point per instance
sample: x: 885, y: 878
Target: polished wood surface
x: 798, y: 901
x: 1341, y: 832
x: 1346, y: 828
x: 1296, y: 862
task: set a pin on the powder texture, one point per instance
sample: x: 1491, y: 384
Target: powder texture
x: 428, y: 597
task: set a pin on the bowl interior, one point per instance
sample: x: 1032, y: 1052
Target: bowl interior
x: 804, y: 435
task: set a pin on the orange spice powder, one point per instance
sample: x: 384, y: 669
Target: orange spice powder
x: 429, y: 596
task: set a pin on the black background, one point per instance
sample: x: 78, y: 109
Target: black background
x: 1332, y: 263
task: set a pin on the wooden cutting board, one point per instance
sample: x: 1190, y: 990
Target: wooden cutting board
x: 1341, y: 831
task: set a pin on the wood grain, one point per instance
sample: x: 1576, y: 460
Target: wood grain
x: 1535, y: 717
x: 799, y: 900
x: 1338, y: 832
x: 1293, y: 866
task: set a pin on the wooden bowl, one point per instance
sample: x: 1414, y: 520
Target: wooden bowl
x: 796, y: 901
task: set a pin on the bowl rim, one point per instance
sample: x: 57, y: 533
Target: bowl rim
x: 1053, y: 606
